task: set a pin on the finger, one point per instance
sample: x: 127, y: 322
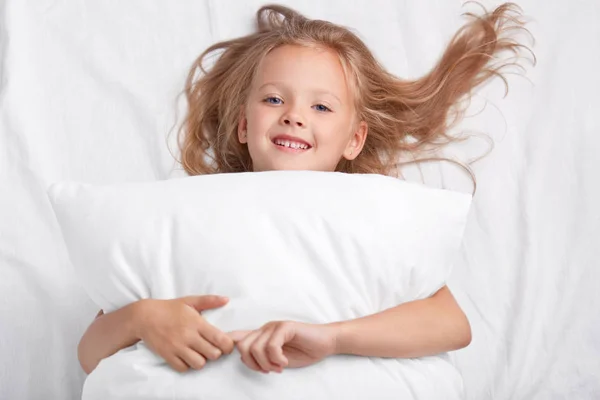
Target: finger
x: 192, y: 358
x: 244, y: 349
x: 204, y: 348
x: 236, y: 336
x: 201, y: 303
x: 216, y: 337
x: 258, y: 351
x: 177, y: 363
x: 274, y: 349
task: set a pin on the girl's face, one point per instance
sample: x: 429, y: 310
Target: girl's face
x: 300, y: 112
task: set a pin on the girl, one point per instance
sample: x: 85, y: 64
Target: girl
x: 303, y: 94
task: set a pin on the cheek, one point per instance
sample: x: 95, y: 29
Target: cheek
x: 334, y: 135
x: 259, y: 119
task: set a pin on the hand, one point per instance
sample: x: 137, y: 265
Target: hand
x: 285, y: 344
x: 175, y: 330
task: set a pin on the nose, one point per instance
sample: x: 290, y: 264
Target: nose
x: 291, y: 121
x: 293, y: 118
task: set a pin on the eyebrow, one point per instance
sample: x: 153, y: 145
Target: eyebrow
x: 316, y: 91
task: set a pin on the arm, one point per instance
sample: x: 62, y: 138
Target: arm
x: 414, y: 329
x: 173, y: 329
x: 107, y: 334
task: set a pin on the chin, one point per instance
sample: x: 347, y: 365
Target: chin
x: 287, y: 167
x: 284, y: 166
x: 289, y: 164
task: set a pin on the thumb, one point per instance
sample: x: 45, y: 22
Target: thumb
x: 236, y: 336
x: 201, y: 303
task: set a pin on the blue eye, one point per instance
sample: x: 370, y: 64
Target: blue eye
x: 321, y: 107
x: 273, y: 100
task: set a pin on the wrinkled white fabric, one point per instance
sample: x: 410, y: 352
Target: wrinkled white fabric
x: 304, y: 246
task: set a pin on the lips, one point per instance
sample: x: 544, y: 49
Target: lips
x: 291, y: 143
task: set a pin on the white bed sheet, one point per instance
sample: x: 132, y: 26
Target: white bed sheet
x: 88, y: 92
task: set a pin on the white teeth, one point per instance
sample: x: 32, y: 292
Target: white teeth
x: 293, y: 145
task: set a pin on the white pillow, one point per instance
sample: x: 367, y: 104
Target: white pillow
x: 307, y: 246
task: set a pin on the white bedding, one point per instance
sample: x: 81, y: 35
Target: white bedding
x: 87, y: 93
x: 318, y: 248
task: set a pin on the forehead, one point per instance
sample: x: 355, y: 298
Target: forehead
x: 303, y: 66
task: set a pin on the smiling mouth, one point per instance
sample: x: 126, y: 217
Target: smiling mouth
x: 291, y: 144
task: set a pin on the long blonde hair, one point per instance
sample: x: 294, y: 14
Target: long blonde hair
x: 405, y: 117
